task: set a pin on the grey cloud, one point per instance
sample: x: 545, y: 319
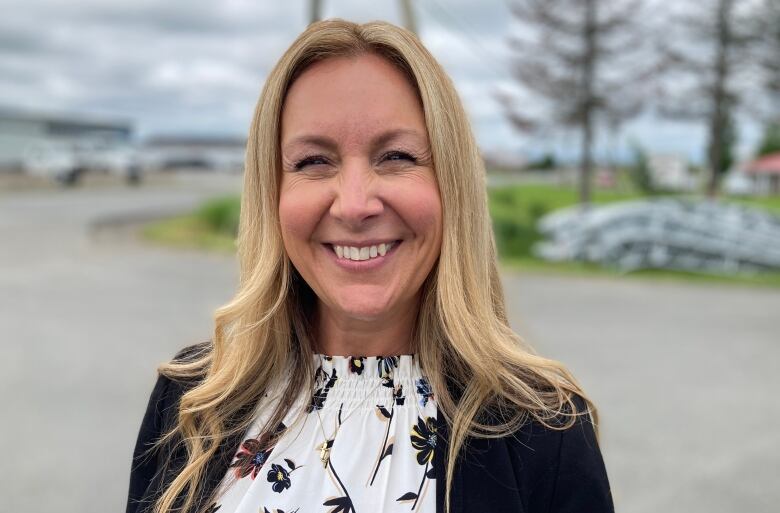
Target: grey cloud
x: 199, y: 65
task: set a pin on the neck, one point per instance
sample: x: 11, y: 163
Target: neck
x: 339, y: 335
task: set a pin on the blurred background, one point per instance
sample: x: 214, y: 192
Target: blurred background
x: 633, y: 157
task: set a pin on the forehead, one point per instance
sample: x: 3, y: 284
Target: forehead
x: 349, y: 97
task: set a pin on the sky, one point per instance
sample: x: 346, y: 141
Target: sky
x: 197, y: 66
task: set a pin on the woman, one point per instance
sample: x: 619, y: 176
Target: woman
x: 366, y: 362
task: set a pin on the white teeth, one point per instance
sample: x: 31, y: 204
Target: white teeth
x: 364, y: 253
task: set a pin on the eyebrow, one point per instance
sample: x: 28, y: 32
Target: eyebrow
x: 327, y: 142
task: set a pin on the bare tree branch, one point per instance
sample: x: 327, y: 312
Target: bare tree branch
x: 568, y: 59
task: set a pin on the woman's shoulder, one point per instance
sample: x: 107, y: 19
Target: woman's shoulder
x: 558, y: 464
x: 542, y: 466
x: 168, y: 389
x: 536, y: 435
x: 160, y: 415
x: 188, y: 354
x: 193, y: 352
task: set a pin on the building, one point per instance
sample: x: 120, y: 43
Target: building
x: 212, y: 153
x: 671, y: 172
x: 764, y: 174
x: 53, y: 144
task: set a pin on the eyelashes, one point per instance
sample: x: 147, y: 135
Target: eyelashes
x: 391, y: 156
x: 307, y: 161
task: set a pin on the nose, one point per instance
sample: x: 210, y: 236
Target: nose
x: 357, y: 199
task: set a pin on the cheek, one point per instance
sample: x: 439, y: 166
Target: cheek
x: 299, y: 213
x: 420, y: 206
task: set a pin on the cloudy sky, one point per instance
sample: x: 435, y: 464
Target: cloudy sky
x: 197, y: 66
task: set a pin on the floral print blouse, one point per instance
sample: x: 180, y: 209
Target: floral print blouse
x: 382, y: 412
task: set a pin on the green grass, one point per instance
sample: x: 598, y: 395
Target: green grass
x: 213, y: 226
x: 188, y: 231
x: 514, y: 209
x: 771, y: 203
x: 585, y: 269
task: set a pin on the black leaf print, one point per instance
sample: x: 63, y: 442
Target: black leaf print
x: 424, y: 390
x: 319, y: 374
x: 408, y: 496
x: 387, y: 448
x: 388, y: 451
x: 399, y: 395
x: 290, y: 463
x: 386, y: 365
x: 340, y: 504
x: 265, y: 510
x: 319, y: 397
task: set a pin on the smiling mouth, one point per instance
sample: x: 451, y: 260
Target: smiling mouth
x: 362, y: 253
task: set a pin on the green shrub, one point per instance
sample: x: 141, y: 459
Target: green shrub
x: 221, y: 214
x: 513, y: 238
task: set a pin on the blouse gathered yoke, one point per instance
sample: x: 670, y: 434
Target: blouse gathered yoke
x: 388, y: 453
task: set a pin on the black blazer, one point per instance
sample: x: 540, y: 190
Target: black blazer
x: 536, y: 470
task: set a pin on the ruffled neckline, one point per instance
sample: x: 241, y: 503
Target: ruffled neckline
x: 369, y: 381
x: 394, y: 367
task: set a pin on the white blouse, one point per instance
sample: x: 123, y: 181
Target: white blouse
x: 382, y: 412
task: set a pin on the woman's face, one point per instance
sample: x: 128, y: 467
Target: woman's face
x: 359, y: 205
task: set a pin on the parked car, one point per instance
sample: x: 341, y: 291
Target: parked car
x: 68, y: 161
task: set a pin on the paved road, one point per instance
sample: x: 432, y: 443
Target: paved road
x: 685, y: 375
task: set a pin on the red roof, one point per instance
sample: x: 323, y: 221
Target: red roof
x: 768, y: 164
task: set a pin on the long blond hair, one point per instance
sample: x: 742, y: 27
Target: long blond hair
x: 462, y: 335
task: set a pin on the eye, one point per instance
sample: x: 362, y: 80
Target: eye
x: 310, y: 161
x: 398, y: 155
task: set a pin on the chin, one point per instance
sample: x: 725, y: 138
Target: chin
x: 364, y: 310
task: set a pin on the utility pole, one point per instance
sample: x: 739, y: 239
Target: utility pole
x: 408, y: 15
x: 315, y: 10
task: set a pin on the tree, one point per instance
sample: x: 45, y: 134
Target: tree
x: 768, y: 59
x: 543, y: 163
x: 580, y: 58
x: 711, y: 52
x: 639, y: 171
x: 770, y: 142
